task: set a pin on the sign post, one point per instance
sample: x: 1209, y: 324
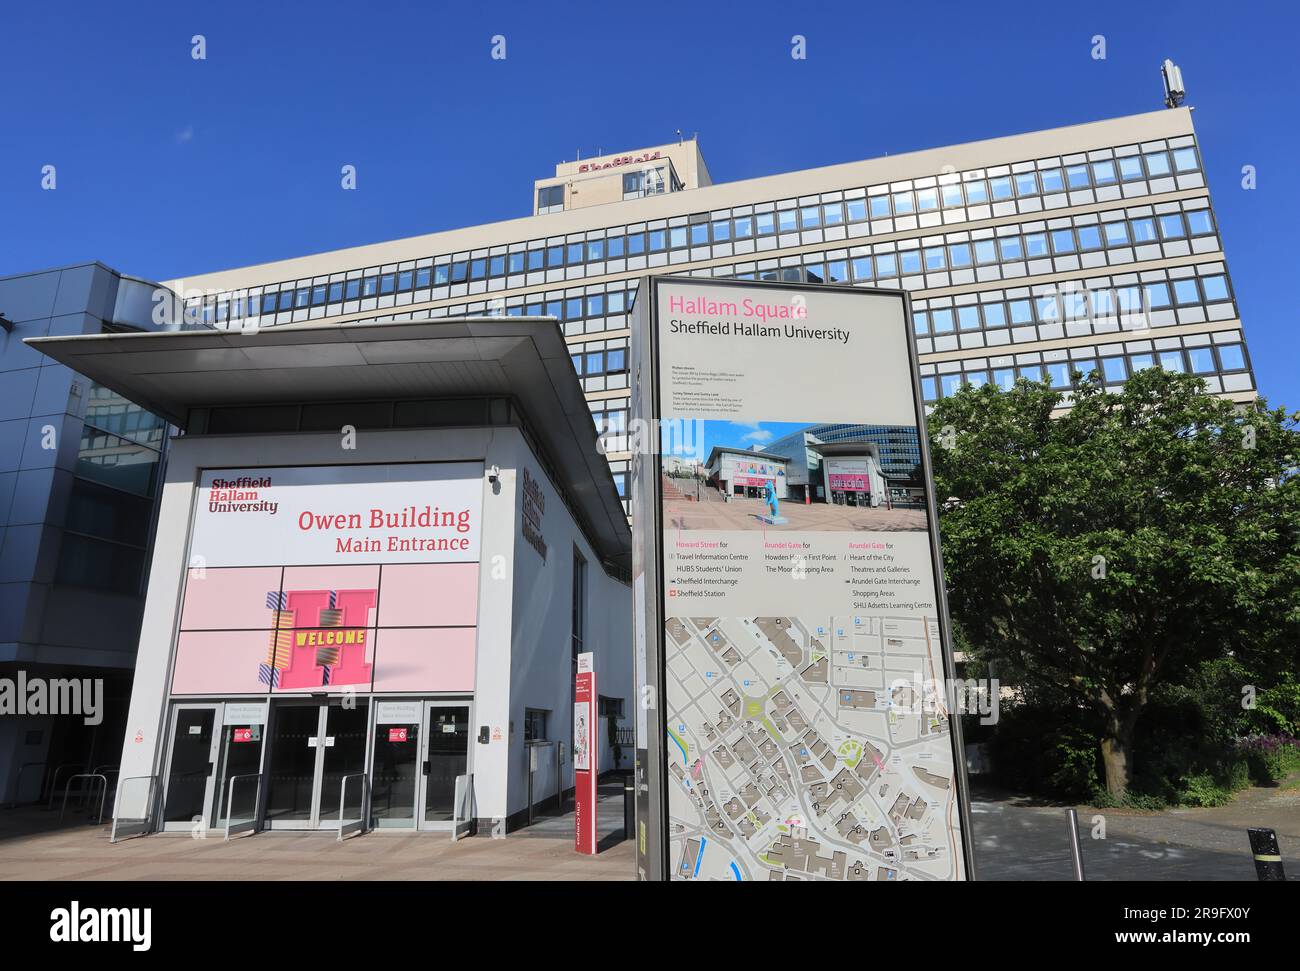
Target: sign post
x: 586, y: 756
x: 793, y: 659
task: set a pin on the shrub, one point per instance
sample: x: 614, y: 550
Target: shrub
x: 1270, y: 758
x: 1201, y: 789
x: 1045, y: 751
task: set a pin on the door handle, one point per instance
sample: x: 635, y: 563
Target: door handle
x: 212, y: 766
x: 426, y: 767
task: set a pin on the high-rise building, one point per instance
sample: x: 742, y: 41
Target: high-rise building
x: 1093, y: 246
x: 80, y: 474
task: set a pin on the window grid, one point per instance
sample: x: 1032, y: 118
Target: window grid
x: 960, y: 197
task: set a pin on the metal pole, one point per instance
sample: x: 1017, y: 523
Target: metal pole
x: 1076, y: 850
x: 629, y: 807
x: 1268, y: 856
x: 559, y: 775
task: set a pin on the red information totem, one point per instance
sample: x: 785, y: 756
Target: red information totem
x: 586, y: 756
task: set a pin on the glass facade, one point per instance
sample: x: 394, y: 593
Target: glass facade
x: 1096, y: 251
x: 898, y: 445
x: 106, y: 531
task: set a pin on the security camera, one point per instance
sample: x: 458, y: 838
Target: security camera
x: 494, y: 474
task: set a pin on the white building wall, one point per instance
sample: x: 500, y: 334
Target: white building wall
x: 543, y: 669
x: 149, y: 695
x: 524, y: 621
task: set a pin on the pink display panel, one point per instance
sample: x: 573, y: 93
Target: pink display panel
x: 850, y: 483
x: 407, y: 627
x: 219, y: 662
x: 429, y: 595
x: 229, y: 598
x: 425, y: 659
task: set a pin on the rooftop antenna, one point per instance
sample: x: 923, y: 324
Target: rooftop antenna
x: 1175, y: 93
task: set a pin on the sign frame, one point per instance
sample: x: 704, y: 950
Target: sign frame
x: 586, y: 756
x: 645, y: 490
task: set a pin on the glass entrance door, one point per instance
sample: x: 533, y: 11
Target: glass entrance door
x: 190, y: 766
x: 343, y: 754
x: 291, y: 771
x: 446, y: 756
x: 243, y: 726
x: 312, y: 746
x: 395, y: 772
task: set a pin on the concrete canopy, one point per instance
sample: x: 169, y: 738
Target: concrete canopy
x: 523, y: 358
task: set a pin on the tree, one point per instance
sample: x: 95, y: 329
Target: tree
x: 1098, y: 552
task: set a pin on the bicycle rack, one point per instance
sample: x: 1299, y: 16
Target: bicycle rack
x: 54, y: 784
x: 103, y: 792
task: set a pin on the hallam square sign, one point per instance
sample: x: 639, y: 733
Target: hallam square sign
x: 792, y: 647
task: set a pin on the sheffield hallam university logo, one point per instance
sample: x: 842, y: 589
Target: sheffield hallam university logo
x: 318, y: 638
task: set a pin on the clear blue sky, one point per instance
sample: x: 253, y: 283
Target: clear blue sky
x: 729, y: 434
x: 169, y: 166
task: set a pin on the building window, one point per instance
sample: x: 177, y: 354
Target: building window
x: 579, y: 602
x: 648, y: 182
x: 550, y: 199
x: 611, y: 708
x: 536, y: 724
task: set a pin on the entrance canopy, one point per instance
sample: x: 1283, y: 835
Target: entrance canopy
x: 522, y: 358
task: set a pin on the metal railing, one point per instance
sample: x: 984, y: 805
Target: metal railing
x: 534, y: 761
x: 133, y: 825
x: 246, y: 825
x: 462, y: 809
x: 103, y: 792
x: 54, y: 783
x: 357, y: 825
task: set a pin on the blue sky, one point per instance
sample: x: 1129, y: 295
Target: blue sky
x: 168, y: 166
x: 728, y: 433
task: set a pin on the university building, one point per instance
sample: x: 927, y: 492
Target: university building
x: 1089, y: 247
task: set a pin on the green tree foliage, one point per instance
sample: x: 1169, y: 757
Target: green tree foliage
x: 1097, y: 554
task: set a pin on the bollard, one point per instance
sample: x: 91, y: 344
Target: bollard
x: 1268, y: 856
x: 629, y: 807
x: 1076, y: 850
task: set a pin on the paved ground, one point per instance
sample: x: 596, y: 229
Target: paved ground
x: 541, y: 852
x: 745, y: 513
x: 1015, y: 839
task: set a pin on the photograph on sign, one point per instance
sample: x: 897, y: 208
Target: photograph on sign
x: 581, y: 737
x: 804, y: 652
x: 791, y: 476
